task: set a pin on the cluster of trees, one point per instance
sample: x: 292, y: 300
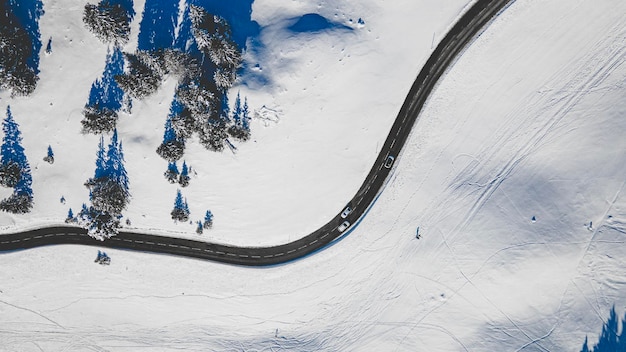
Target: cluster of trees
x: 172, y: 175
x: 201, y: 52
x: 612, y: 339
x: 20, y: 43
x: 207, y: 224
x: 199, y: 49
x: 108, y: 192
x: 14, y: 169
x: 180, y: 213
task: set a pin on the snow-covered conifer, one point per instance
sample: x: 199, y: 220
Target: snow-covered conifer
x: 184, y: 178
x: 181, y: 209
x: 14, y: 169
x: 49, y: 158
x: 208, y: 219
x: 110, y: 20
x: 171, y: 174
x: 105, y: 97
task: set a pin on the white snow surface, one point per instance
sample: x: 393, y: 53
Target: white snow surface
x: 528, y: 122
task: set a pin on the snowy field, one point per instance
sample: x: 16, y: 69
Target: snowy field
x: 529, y: 123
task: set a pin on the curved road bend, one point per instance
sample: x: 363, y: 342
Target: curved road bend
x: 461, y: 34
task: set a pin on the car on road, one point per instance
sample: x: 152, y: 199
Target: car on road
x: 346, y: 212
x: 344, y: 225
x: 389, y: 161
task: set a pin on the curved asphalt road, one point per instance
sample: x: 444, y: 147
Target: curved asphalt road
x: 472, y: 22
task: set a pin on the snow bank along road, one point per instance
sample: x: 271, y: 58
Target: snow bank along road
x: 461, y: 34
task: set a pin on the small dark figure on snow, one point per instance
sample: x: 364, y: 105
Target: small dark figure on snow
x: 102, y: 258
x: 49, y: 158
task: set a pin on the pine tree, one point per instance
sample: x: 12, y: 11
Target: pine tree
x: 171, y: 174
x: 184, y: 178
x: 49, y: 158
x: 208, y: 219
x: 108, y: 191
x: 181, y: 209
x: 70, y: 216
x: 245, y: 116
x: 14, y: 169
x: 28, y: 13
x: 237, y: 111
x: 199, y: 228
x: 110, y: 20
x: 173, y: 147
x: 240, y: 129
x: 100, y: 161
x: 105, y: 97
x: 143, y: 77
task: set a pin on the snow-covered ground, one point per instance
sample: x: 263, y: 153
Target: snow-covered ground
x: 332, y: 95
x: 528, y: 123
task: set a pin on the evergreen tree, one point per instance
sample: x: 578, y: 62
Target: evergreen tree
x: 108, y: 191
x: 237, y: 111
x: 208, y: 219
x: 173, y: 147
x: 245, y: 116
x: 184, y: 178
x: 171, y: 174
x: 28, y: 13
x: 105, y: 97
x: 240, y: 129
x: 110, y: 20
x: 70, y: 216
x: 199, y: 228
x: 181, y: 209
x: 144, y: 75
x: 11, y: 152
x: 49, y: 158
x: 14, y: 169
x: 15, y: 53
x: 100, y: 171
x: 83, y: 216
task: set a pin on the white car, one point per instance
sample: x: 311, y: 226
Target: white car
x: 344, y: 225
x: 346, y: 212
x: 389, y: 161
